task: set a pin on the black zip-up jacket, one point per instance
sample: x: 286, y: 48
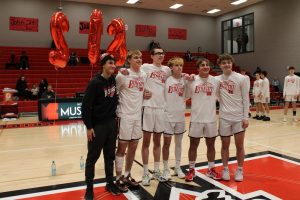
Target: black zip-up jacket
x: 100, y: 101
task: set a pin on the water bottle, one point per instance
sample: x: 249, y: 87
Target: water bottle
x: 53, y: 169
x: 81, y: 163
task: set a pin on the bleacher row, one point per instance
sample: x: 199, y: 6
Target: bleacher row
x: 67, y: 81
x: 71, y: 79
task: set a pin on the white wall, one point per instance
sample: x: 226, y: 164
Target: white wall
x: 201, y: 30
x: 277, y: 36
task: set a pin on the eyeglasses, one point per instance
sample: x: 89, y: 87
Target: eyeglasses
x: 159, y: 53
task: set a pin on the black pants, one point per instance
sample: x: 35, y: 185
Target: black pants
x: 106, y: 136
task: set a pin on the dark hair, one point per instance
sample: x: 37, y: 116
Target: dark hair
x: 105, y: 57
x: 265, y: 73
x: 152, y: 51
x: 257, y: 73
x: 225, y: 57
x: 199, y: 61
x: 291, y: 67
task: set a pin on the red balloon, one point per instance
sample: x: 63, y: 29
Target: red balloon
x: 59, y: 24
x: 118, y: 46
x: 96, y: 30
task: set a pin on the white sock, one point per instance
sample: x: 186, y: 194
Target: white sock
x: 211, y: 165
x: 156, y: 166
x: 226, y: 167
x: 192, y: 164
x: 240, y: 168
x: 126, y: 173
x: 146, y: 169
x: 119, y: 164
x: 166, y: 166
x: 178, y: 148
x: 267, y: 114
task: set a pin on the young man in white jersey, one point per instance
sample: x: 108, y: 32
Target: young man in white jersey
x: 234, y: 108
x: 257, y: 94
x: 265, y: 100
x: 291, y: 92
x: 131, y: 89
x: 203, y: 91
x: 175, y: 94
x: 153, y: 121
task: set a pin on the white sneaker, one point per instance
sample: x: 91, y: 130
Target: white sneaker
x: 239, y: 175
x: 166, y: 174
x: 179, y: 172
x: 226, y: 175
x: 284, y: 119
x: 146, y: 180
x: 158, y: 176
x: 295, y: 119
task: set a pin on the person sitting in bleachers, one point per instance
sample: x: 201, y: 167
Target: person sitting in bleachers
x: 188, y: 56
x: 34, y: 92
x: 24, y: 61
x: 73, y: 59
x: 42, y: 87
x: 49, y: 93
x: 12, y: 61
x: 22, y: 88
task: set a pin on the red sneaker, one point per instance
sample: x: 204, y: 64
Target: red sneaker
x: 213, y: 174
x: 190, y: 175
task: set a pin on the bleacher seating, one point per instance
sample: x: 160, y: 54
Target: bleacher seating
x: 69, y: 80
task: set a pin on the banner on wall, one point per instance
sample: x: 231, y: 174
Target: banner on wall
x: 145, y: 30
x: 177, y: 33
x: 24, y: 24
x: 84, y: 27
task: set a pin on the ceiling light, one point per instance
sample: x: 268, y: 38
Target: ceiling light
x: 238, y: 2
x: 177, y: 5
x: 132, y: 1
x: 213, y: 11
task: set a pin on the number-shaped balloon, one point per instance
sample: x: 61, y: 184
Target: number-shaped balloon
x: 118, y: 46
x: 58, y: 25
x: 96, y: 30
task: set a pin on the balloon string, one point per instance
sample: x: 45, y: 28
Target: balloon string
x: 56, y: 89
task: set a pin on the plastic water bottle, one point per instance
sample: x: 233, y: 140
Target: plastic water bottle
x: 81, y: 163
x: 53, y: 169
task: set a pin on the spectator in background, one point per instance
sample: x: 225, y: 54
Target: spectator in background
x: 42, y: 87
x: 188, y: 56
x: 49, y: 93
x: 24, y: 61
x: 153, y: 44
x: 275, y: 83
x: 239, y: 42
x: 73, y: 59
x: 12, y: 61
x: 23, y: 91
x: 34, y: 92
x: 245, y: 42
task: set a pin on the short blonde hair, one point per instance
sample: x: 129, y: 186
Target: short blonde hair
x: 175, y: 60
x: 133, y: 52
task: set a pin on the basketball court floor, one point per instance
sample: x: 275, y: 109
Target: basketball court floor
x: 272, y: 166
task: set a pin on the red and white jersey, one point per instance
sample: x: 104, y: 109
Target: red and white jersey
x: 234, y: 97
x: 266, y: 88
x: 203, y: 92
x: 131, y: 89
x: 291, y: 85
x: 248, y: 81
x: 155, y: 83
x: 257, y: 87
x: 175, y: 93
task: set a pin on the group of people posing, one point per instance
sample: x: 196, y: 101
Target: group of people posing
x: 149, y: 101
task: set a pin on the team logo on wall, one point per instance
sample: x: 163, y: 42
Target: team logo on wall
x: 268, y: 175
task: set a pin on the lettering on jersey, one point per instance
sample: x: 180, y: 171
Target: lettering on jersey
x: 204, y: 88
x: 228, y: 85
x: 137, y: 83
x: 176, y: 88
x: 159, y: 75
x: 109, y: 91
x: 291, y: 80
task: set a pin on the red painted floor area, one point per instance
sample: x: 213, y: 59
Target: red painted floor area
x: 272, y: 175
